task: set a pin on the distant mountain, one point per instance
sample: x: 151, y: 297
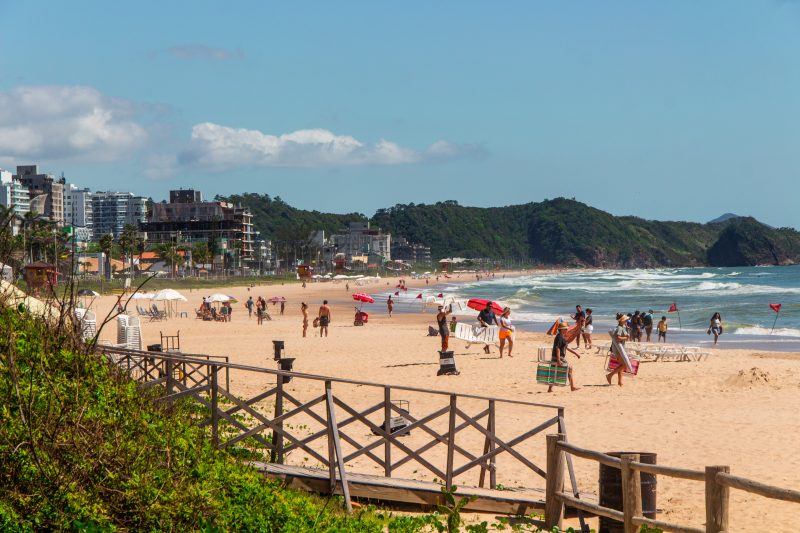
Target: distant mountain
x: 723, y: 218
x: 553, y: 232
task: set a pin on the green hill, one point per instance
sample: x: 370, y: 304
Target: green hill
x: 553, y: 232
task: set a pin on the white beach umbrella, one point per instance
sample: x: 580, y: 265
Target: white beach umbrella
x: 142, y: 296
x: 169, y: 295
x: 218, y: 297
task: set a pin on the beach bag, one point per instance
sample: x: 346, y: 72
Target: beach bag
x: 552, y: 374
x: 612, y: 364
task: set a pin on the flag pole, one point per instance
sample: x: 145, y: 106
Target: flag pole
x: 680, y: 326
x: 778, y: 312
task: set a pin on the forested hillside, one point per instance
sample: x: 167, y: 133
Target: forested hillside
x: 552, y: 232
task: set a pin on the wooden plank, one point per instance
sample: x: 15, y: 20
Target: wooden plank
x: 660, y: 470
x: 755, y: 487
x: 590, y: 454
x: 665, y: 526
x: 554, y: 506
x: 590, y: 507
x: 337, y: 446
x: 387, y: 427
x: 451, y: 442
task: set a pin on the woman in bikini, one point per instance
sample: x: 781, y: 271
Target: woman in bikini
x: 304, y: 310
x: 506, y: 331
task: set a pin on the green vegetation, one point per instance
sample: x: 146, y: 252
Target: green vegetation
x: 82, y: 448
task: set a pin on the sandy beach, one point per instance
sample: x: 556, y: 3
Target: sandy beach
x: 739, y: 407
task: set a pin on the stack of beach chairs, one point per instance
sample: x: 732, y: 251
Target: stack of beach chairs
x: 129, y: 332
x: 476, y: 334
x: 88, y: 321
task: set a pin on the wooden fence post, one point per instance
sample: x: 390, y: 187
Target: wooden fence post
x: 331, y: 448
x: 553, y: 506
x: 387, y: 426
x: 488, y: 446
x: 717, y: 500
x: 631, y: 491
x: 170, y: 379
x: 334, y: 433
x: 214, y: 407
x: 451, y: 443
x: 277, y: 434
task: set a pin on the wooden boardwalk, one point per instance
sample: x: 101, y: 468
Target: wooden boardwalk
x: 412, y: 491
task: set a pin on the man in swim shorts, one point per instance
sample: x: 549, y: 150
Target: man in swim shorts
x: 324, y: 318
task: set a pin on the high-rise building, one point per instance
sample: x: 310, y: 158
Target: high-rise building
x: 363, y: 240
x: 13, y: 194
x: 227, y: 228
x: 78, y: 211
x: 112, y: 211
x: 46, y: 193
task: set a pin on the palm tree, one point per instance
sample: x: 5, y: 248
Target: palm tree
x: 168, y: 253
x: 200, y: 253
x: 128, y: 241
x: 106, y: 244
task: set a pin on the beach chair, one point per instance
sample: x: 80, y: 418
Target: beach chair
x: 476, y: 334
x: 156, y: 313
x: 612, y: 364
x: 552, y: 374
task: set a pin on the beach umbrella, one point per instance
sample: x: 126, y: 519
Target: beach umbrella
x: 88, y: 293
x: 233, y: 300
x: 142, y: 296
x: 479, y: 304
x: 218, y: 297
x: 276, y: 299
x: 363, y: 298
x: 168, y: 296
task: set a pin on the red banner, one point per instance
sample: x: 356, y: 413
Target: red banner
x: 672, y: 308
x: 775, y: 307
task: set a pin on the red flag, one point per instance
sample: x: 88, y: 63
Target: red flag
x: 672, y: 308
x: 419, y: 296
x: 440, y: 295
x: 775, y: 307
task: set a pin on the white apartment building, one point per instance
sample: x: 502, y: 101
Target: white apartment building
x: 78, y: 210
x: 363, y: 240
x: 13, y: 193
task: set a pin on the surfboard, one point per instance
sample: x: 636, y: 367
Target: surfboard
x: 619, y: 350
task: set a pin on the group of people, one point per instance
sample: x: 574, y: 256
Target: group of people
x: 486, y: 317
x: 259, y: 306
x: 209, y: 312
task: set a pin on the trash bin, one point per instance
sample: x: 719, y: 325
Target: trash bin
x: 154, y: 348
x: 447, y: 364
x: 611, y: 491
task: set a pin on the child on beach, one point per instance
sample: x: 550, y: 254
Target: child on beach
x: 662, y: 329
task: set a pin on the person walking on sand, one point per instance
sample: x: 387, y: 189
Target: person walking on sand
x: 249, y: 305
x: 390, y: 305
x: 647, y: 322
x: 587, y: 330
x: 506, y: 332
x: 283, y: 304
x: 619, y: 335
x: 580, y: 319
x: 441, y: 322
x: 324, y: 316
x: 715, y: 326
x: 304, y: 310
x: 487, y: 318
x: 559, y: 356
x: 662, y: 330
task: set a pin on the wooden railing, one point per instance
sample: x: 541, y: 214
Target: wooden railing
x: 717, y: 479
x: 234, y: 421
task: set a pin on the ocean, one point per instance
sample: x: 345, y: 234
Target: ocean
x: 741, y: 295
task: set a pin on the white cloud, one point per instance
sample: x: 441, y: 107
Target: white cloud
x: 67, y: 122
x: 217, y: 147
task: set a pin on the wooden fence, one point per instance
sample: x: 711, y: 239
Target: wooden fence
x: 235, y: 421
x: 717, y: 479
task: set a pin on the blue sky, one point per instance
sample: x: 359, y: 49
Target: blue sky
x: 666, y: 110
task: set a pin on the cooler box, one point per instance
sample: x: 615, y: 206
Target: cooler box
x: 552, y: 374
x: 613, y: 364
